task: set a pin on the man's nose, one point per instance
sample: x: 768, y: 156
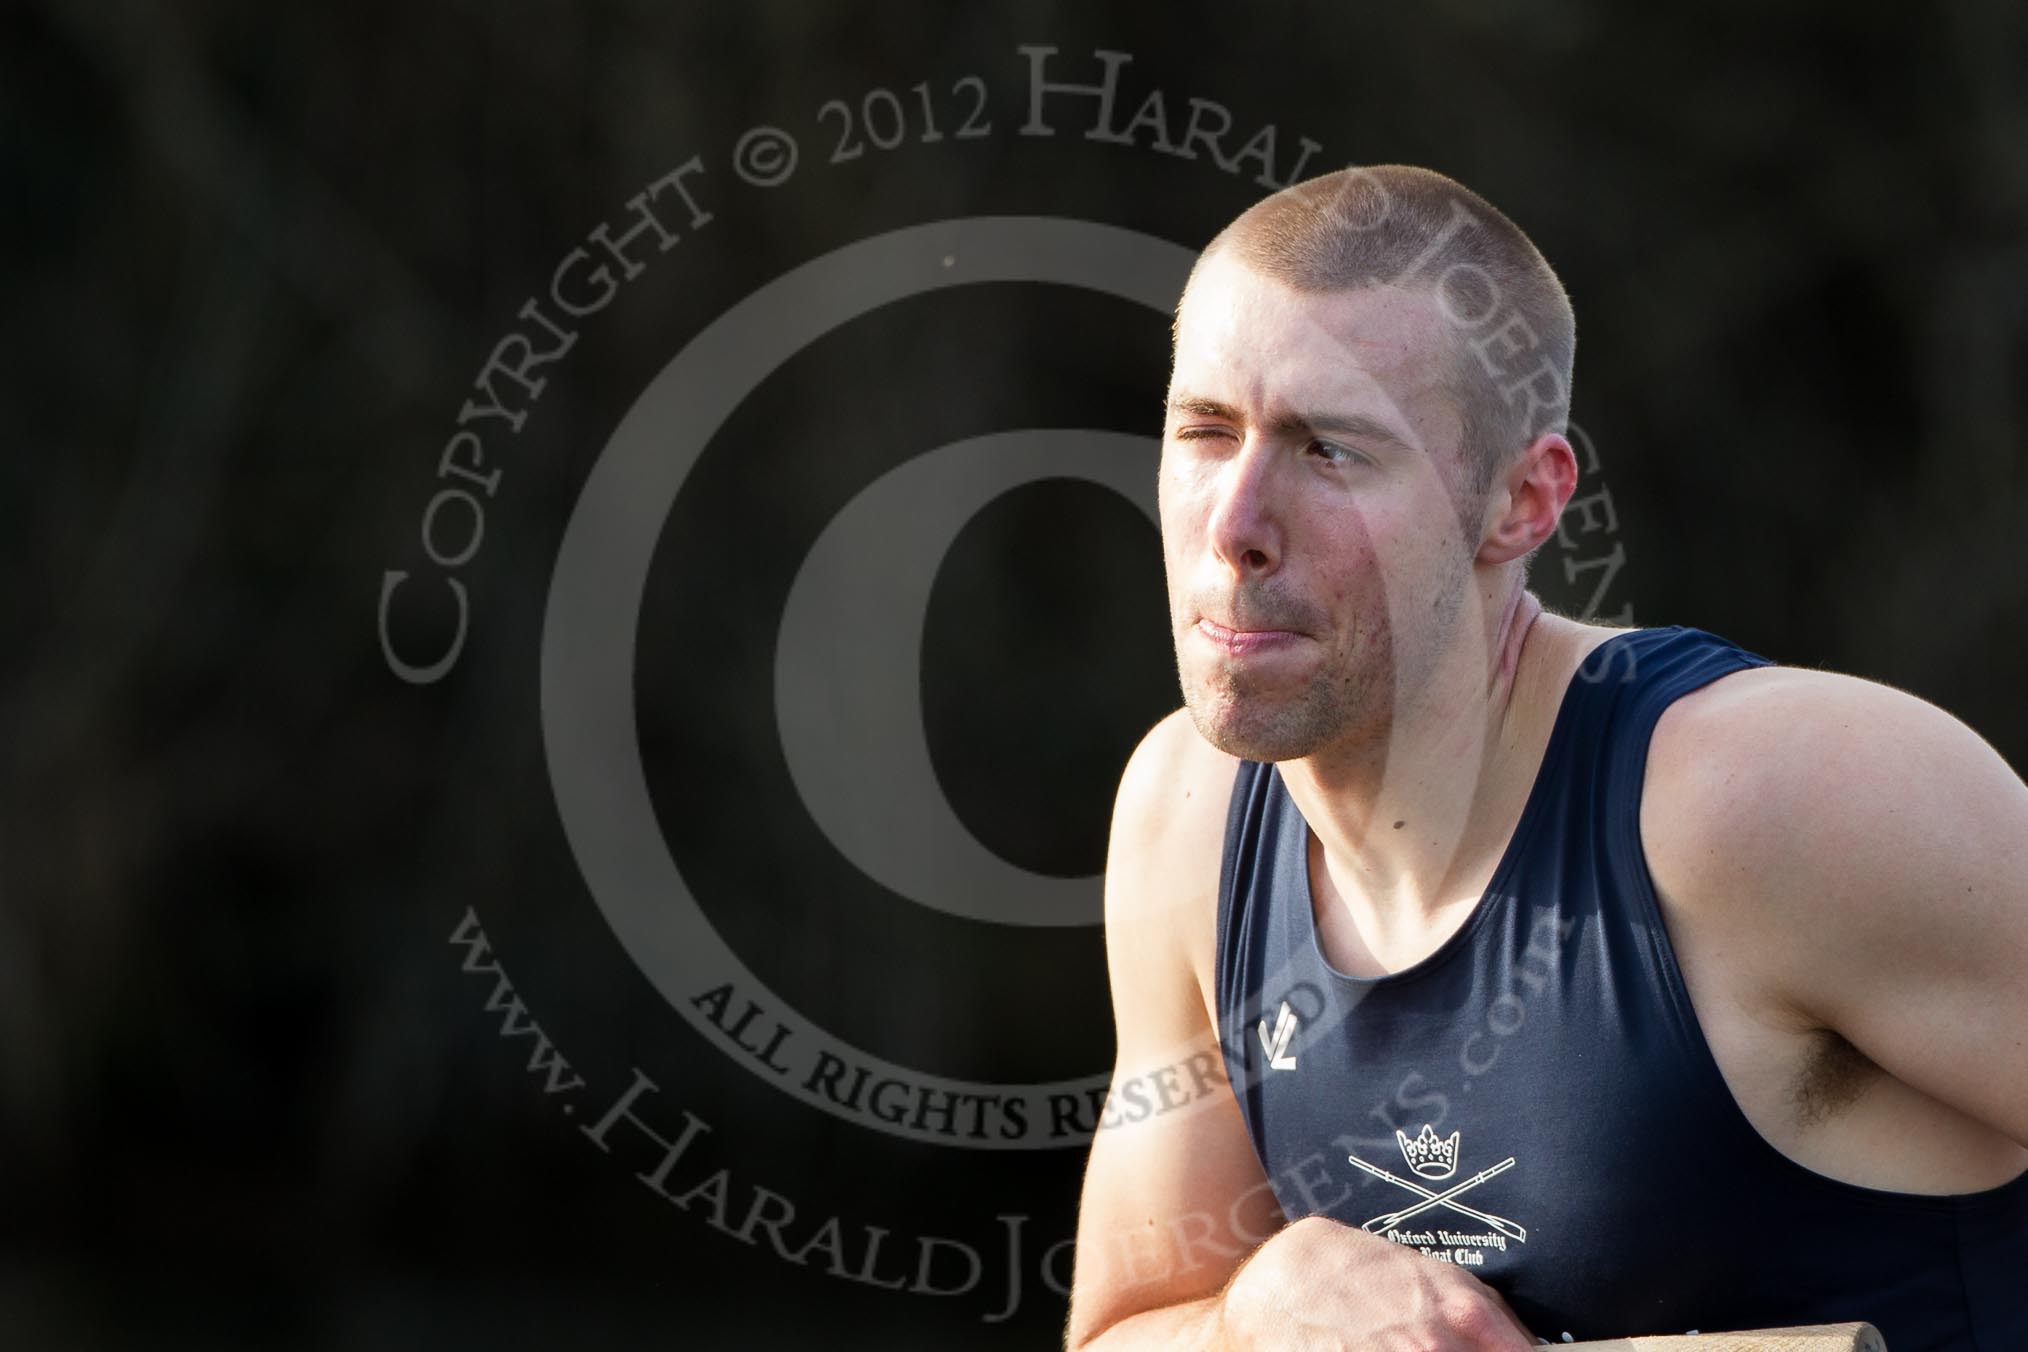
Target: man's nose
x: 1245, y: 528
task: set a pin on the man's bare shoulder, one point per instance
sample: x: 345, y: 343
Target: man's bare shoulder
x: 1768, y: 760
x: 1175, y: 785
x: 1168, y: 836
x: 1837, y: 856
x: 1784, y: 801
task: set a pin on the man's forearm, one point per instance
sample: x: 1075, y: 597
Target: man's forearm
x: 1193, y: 1325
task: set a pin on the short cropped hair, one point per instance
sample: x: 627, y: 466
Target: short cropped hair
x: 1399, y: 225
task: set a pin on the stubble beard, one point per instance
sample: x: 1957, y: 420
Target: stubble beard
x: 1357, y: 692
x: 1242, y: 717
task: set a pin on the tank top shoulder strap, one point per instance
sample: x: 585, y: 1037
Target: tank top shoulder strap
x: 1619, y: 693
x: 1242, y: 855
x: 1246, y: 878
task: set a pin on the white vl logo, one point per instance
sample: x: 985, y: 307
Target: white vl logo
x: 1436, y: 1158
x: 1277, y: 1046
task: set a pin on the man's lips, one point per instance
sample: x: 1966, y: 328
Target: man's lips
x: 1242, y: 642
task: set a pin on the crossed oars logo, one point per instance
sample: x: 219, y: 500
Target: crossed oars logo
x: 1437, y: 1158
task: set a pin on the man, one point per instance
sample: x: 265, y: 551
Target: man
x: 1570, y: 982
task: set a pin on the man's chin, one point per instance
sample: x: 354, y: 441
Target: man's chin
x: 1249, y: 731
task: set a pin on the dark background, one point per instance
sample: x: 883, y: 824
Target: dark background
x: 254, y: 257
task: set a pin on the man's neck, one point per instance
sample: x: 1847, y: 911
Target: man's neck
x: 1408, y: 813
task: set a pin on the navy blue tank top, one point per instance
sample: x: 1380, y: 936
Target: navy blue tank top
x: 1535, y: 1100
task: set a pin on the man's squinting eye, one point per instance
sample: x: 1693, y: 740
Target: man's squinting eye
x: 1337, y: 454
x: 1334, y: 452
x: 1330, y: 452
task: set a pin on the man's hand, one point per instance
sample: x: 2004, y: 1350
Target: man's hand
x: 1321, y: 1285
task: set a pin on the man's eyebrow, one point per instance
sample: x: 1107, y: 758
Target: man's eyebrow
x: 1357, y: 425
x: 1197, y: 406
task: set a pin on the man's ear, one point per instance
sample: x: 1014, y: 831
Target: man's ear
x: 1525, y: 500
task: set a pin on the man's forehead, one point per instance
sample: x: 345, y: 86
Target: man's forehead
x: 1233, y: 318
x: 1246, y: 340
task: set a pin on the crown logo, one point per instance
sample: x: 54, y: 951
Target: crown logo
x: 1427, y: 1154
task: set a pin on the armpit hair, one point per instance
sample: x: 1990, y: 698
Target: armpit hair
x: 1836, y: 1075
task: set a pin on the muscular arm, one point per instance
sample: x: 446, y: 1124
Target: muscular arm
x: 1861, y: 858
x: 1180, y: 1242
x: 1173, y: 1201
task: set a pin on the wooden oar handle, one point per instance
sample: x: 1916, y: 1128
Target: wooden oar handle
x: 1817, y: 1338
